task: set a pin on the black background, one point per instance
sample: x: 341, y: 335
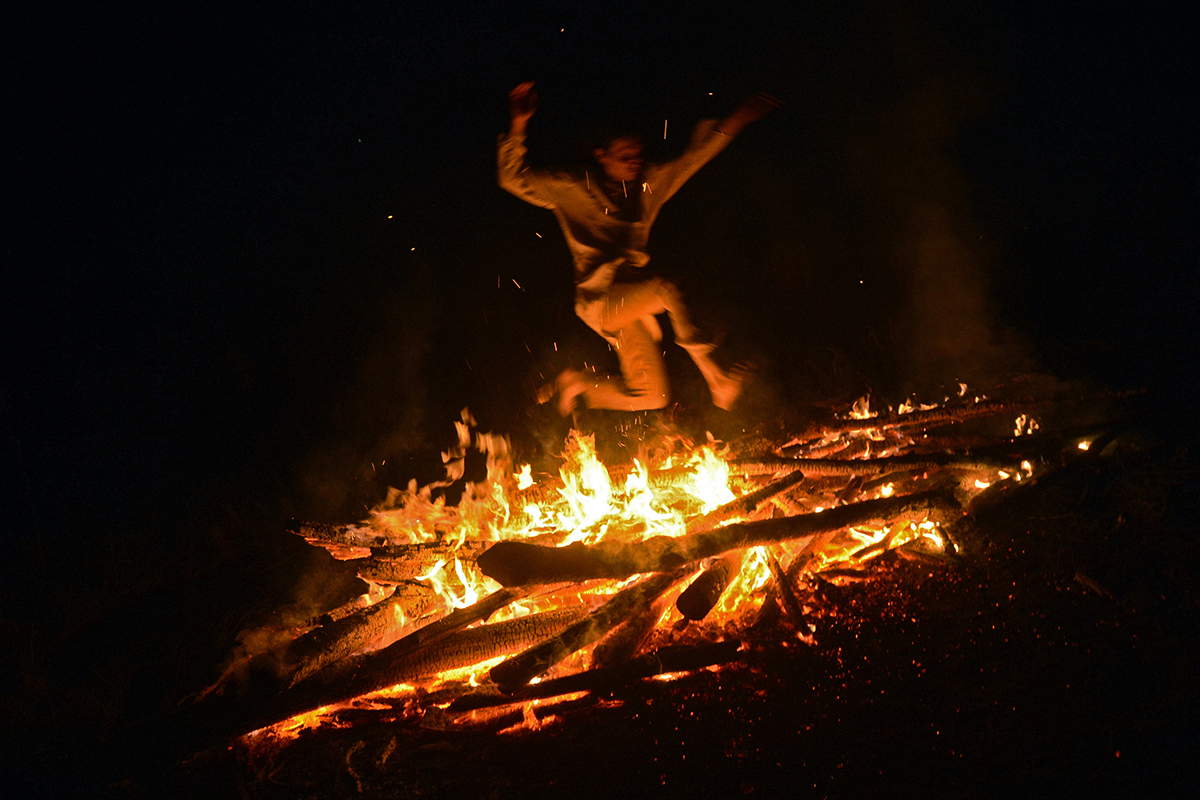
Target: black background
x: 252, y: 254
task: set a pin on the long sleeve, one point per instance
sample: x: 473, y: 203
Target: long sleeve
x: 514, y: 175
x: 706, y: 142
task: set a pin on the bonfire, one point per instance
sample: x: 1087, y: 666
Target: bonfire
x: 535, y: 593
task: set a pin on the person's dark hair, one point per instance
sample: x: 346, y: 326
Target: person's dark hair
x: 603, y: 138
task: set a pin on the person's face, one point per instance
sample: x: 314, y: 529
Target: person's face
x: 622, y: 160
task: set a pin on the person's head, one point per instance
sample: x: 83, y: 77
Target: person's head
x: 620, y: 155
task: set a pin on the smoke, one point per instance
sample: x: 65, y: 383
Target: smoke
x: 902, y: 160
x: 880, y: 268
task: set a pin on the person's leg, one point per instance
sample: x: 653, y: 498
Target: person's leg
x: 644, y: 385
x: 627, y: 302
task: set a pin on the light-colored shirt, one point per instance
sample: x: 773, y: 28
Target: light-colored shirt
x: 601, y: 243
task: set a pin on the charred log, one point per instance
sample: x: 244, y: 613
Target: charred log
x: 455, y: 621
x: 326, y: 535
x: 662, y: 661
x: 933, y: 417
x: 746, y: 505
x: 621, y: 645
x: 330, y: 643
x: 824, y: 467
x: 385, y: 668
x: 517, y: 563
x: 353, y: 606
x: 699, y: 598
x: 398, y: 563
x: 787, y: 596
x: 522, y: 668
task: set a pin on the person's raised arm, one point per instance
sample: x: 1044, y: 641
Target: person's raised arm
x: 754, y: 109
x: 513, y: 173
x: 522, y: 104
x: 708, y: 140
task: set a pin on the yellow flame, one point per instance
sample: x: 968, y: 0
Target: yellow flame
x: 525, y: 477
x: 862, y: 408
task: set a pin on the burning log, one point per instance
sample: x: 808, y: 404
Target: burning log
x: 520, y: 669
x: 914, y: 419
x: 698, y: 599
x: 822, y: 467
x: 398, y: 563
x: 620, y: 645
x: 791, y: 604
x: 330, y: 643
x: 518, y: 563
x: 456, y: 620
x: 660, y: 662
x: 743, y: 506
x: 388, y: 667
x: 331, y: 537
x: 351, y: 606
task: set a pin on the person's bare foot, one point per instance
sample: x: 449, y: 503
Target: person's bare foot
x: 566, y: 387
x: 726, y: 393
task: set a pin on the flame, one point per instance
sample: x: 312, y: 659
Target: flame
x: 862, y: 408
x: 524, y: 477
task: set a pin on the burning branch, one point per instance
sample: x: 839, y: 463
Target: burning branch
x: 518, y: 563
x: 928, y: 418
x: 387, y: 667
x: 330, y: 643
x: 522, y: 668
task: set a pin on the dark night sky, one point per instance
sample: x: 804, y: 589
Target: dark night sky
x: 215, y: 211
x: 213, y: 215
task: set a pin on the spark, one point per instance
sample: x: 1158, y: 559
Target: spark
x: 664, y: 130
x: 390, y: 216
x: 535, y: 233
x: 587, y: 179
x: 514, y: 280
x: 623, y: 189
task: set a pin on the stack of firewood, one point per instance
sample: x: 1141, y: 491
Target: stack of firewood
x: 812, y: 488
